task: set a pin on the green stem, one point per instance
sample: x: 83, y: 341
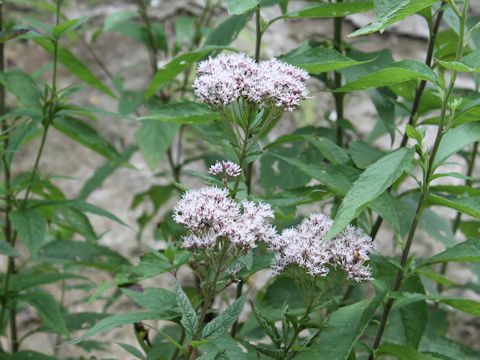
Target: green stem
x: 425, y: 187
x: 416, y: 102
x: 458, y: 217
x: 338, y: 97
x: 7, y: 229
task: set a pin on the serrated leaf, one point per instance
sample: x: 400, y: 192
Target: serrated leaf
x: 344, y: 327
x: 169, y: 71
x: 238, y: 7
x: 338, y: 9
x: 466, y: 251
x: 391, y: 11
x: 12, y: 34
x: 467, y: 205
x: 468, y: 63
x: 392, y: 74
x: 48, y: 309
x: 68, y: 25
x: 186, y: 112
x: 83, y: 133
x: 154, y: 138
x: 31, y: 228
x: 228, y: 30
x: 155, y: 299
x: 7, y: 249
x: 23, y: 87
x: 376, y: 179
x: 318, y: 59
x: 456, y: 139
x: 189, y: 317
x: 75, y: 66
x: 225, y: 320
x: 402, y: 352
x: 114, y: 321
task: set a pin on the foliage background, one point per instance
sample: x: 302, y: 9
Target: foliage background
x: 128, y: 59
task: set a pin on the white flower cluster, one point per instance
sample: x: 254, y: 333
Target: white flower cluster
x: 225, y: 78
x: 210, y: 214
x: 228, y: 168
x: 305, y: 246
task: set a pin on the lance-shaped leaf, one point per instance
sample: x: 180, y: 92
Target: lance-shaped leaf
x: 75, y: 66
x: 186, y: 112
x: 391, y: 11
x: 372, y: 183
x: 31, y: 228
x: 403, y: 352
x: 222, y: 323
x: 12, y: 34
x: 238, y: 7
x: 189, y: 317
x: 228, y: 30
x: 7, y: 249
x: 48, y: 309
x: 318, y: 59
x: 468, y: 63
x: 467, y: 251
x: 456, y: 139
x: 169, y: 71
x: 468, y: 205
x: 338, y: 9
x: 392, y: 74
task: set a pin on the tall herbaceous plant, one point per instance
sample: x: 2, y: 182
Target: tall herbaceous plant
x: 275, y: 226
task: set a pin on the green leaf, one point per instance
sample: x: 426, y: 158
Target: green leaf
x: 402, y: 352
x: 447, y: 349
x: 466, y: 251
x: 344, y: 328
x: 132, y: 350
x: 468, y: 63
x: 228, y: 30
x: 31, y: 279
x: 48, y: 309
x: 86, y: 135
x: 392, y: 74
x: 456, y: 139
x: 7, y: 249
x: 189, y: 316
x: 82, y: 253
x: 114, y: 321
x: 104, y: 171
x: 12, y: 34
x: 112, y: 20
x: 168, y: 72
x: 75, y: 66
x: 23, y: 87
x: 69, y: 25
x: 186, y: 112
x: 154, y: 138
x: 372, y: 183
x: 332, y: 152
x: 267, y: 325
x: 392, y: 11
x: 318, y: 59
x: 338, y: 9
x: 160, y: 300
x: 225, y: 320
x: 31, y: 228
x: 238, y: 7
x: 468, y: 205
x: 363, y: 154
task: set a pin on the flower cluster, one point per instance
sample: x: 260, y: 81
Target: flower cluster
x: 210, y: 214
x: 305, y: 246
x: 226, y: 168
x: 225, y: 78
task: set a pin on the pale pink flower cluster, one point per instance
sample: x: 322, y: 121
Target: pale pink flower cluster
x: 227, y: 77
x: 228, y: 168
x: 210, y: 215
x: 305, y: 246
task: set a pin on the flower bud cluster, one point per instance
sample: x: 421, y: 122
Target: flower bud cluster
x: 227, y: 77
x: 227, y: 168
x: 305, y: 246
x: 210, y: 215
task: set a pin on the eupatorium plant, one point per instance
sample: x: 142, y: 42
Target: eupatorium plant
x: 238, y: 257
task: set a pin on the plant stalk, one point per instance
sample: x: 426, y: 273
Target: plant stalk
x: 338, y: 97
x: 458, y: 217
x: 425, y: 186
x: 416, y: 102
